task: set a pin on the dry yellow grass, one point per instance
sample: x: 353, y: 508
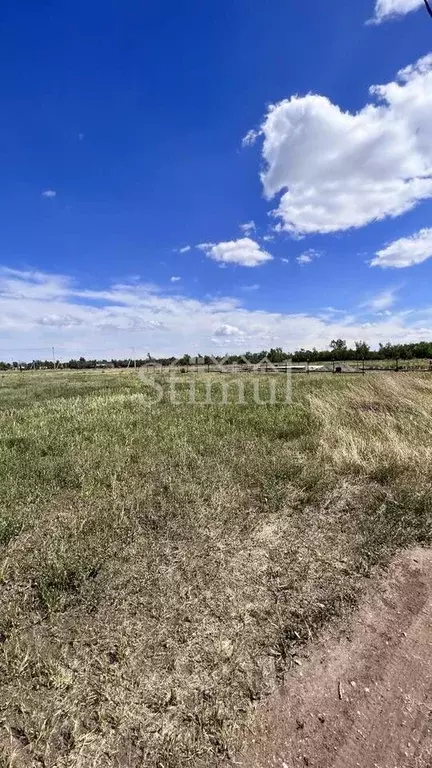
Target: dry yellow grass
x: 161, y: 566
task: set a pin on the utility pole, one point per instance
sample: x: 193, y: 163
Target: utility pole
x: 53, y: 357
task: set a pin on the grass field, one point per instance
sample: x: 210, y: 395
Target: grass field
x: 161, y: 567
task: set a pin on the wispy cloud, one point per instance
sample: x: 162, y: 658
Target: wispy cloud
x: 250, y: 138
x: 307, y: 257
x: 49, y: 193
x: 40, y: 310
x: 383, y: 300
x: 248, y: 228
x: 390, y: 9
x: 406, y: 251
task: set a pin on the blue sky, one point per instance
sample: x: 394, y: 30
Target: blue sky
x: 244, y: 132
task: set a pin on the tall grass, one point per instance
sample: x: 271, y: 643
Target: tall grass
x: 160, y: 566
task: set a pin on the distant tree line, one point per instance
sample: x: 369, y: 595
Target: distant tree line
x: 338, y: 351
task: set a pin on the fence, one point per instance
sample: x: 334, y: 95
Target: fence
x: 350, y: 367
x: 334, y: 366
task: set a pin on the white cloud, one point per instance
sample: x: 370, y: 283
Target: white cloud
x: 185, y: 249
x: 387, y: 9
x: 307, y: 257
x: 382, y: 301
x: 49, y: 193
x: 268, y: 238
x: 250, y: 138
x: 228, y: 331
x: 248, y: 228
x: 337, y: 170
x: 228, y: 336
x: 175, y: 279
x: 38, y: 311
x: 406, y: 251
x: 304, y: 258
x: 285, y: 261
x: 27, y: 285
x: 59, y: 321
x: 253, y: 287
x: 244, y: 251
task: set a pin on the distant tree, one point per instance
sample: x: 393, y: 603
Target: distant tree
x: 398, y: 352
x: 338, y: 345
x: 276, y: 355
x: 385, y: 351
x: 300, y: 356
x: 362, y: 349
x: 339, y: 349
x: 422, y: 350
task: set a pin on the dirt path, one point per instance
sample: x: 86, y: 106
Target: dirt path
x: 365, y: 700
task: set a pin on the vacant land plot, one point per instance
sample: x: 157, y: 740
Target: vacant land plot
x: 160, y: 567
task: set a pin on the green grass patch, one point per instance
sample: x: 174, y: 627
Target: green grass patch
x: 161, y: 564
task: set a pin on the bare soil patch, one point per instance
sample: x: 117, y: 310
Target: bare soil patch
x: 364, y: 699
